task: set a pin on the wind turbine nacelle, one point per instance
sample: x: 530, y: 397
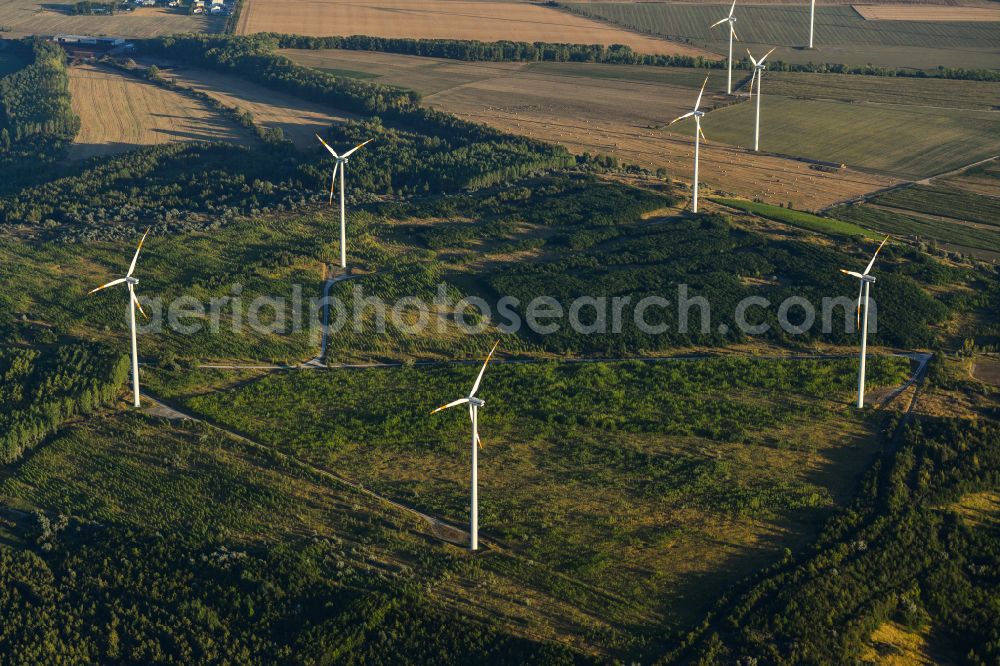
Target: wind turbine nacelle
x: 477, y: 402
x: 132, y: 280
x: 699, y: 114
x: 867, y: 278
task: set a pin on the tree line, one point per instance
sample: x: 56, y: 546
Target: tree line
x: 36, y: 99
x: 615, y: 54
x: 897, y: 554
x: 254, y: 58
x: 40, y: 389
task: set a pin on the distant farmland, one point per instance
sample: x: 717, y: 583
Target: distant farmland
x: 842, y: 35
x: 297, y: 118
x: 609, y: 109
x: 787, y: 25
x: 119, y: 113
x: 909, y: 142
x: 22, y: 17
x: 488, y: 20
x: 982, y: 95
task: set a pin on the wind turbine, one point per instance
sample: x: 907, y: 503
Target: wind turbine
x: 732, y: 34
x: 342, y: 165
x: 758, y: 74
x: 697, y: 134
x: 474, y: 405
x: 812, y: 20
x: 866, y: 280
x: 130, y: 282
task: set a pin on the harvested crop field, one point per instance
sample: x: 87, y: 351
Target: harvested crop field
x: 910, y: 91
x: 926, y: 13
x: 906, y: 142
x: 119, y: 113
x: 840, y: 31
x: 602, y: 109
x: 25, y: 17
x: 298, y: 119
x: 486, y: 20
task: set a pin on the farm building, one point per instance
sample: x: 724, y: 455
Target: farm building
x: 89, y: 42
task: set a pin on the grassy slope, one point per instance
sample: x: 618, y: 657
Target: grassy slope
x: 623, y: 476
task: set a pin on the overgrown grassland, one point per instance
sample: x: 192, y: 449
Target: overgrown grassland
x: 592, y: 469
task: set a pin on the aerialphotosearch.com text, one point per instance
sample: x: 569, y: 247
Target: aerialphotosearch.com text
x: 683, y: 312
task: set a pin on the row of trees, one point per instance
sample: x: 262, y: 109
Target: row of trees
x: 41, y: 389
x: 253, y: 57
x: 619, y: 54
x: 36, y: 99
x: 897, y: 554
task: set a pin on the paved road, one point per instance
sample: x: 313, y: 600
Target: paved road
x: 317, y: 362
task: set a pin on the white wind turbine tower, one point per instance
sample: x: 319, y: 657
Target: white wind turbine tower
x: 474, y: 405
x: 866, y: 280
x: 758, y: 74
x: 812, y: 20
x: 697, y: 134
x: 342, y: 165
x: 732, y: 34
x: 130, y: 282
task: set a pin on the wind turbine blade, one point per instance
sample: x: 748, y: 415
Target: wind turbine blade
x: 697, y: 102
x: 453, y: 403
x: 751, y: 58
x: 752, y: 79
x: 852, y: 273
x: 333, y: 180
x: 861, y: 290
x: 702, y: 132
x: 360, y: 145
x: 734, y: 33
x: 679, y: 118
x: 718, y: 22
x: 135, y: 301
x: 475, y: 425
x: 135, y: 258
x: 105, y: 286
x: 767, y: 54
x: 732, y: 9
x: 872, y: 262
x: 475, y: 387
x: 327, y: 146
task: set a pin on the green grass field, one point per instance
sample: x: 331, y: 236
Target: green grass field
x: 620, y: 475
x: 980, y: 95
x: 842, y: 35
x: 825, y: 225
x: 901, y: 224
x: 945, y: 202
x: 906, y: 142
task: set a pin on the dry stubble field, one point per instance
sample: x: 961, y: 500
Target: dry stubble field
x: 565, y: 103
x: 119, y: 113
x: 889, y: 12
x: 27, y: 17
x: 486, y: 20
x: 299, y: 119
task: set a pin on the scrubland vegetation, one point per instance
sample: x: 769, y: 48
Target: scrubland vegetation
x: 700, y: 506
